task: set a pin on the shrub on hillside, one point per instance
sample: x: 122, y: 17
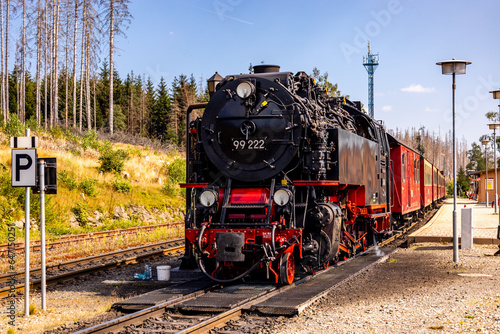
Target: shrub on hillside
x: 112, y: 160
x: 67, y: 179
x: 32, y: 124
x: 81, y: 214
x: 176, y: 170
x: 121, y: 186
x: 89, y: 140
x: 171, y: 188
x: 89, y: 186
x: 14, y: 127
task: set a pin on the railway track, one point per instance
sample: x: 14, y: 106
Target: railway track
x: 74, y: 238
x: 167, y: 317
x: 239, y: 309
x: 164, y: 318
x: 92, y: 263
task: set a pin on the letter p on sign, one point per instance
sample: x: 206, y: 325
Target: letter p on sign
x: 24, y: 167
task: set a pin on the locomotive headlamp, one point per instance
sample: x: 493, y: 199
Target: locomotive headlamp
x: 282, y: 196
x: 208, y: 198
x: 245, y: 89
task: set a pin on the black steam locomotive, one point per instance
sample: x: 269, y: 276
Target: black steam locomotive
x: 281, y: 174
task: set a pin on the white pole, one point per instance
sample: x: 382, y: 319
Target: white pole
x: 41, y: 164
x: 486, y: 167
x: 495, y: 159
x: 455, y: 224
x: 27, y: 247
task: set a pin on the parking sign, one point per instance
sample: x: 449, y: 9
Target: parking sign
x: 24, y: 167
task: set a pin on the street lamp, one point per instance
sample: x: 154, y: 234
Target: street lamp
x: 496, y: 96
x: 485, y: 143
x: 454, y: 67
x: 494, y: 127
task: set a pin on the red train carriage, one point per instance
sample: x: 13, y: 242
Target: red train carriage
x: 406, y: 181
x: 426, y: 182
x: 442, y: 186
x: 435, y: 186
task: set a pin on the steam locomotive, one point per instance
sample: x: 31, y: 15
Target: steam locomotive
x: 281, y: 176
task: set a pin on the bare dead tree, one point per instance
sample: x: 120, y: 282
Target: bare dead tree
x: 46, y: 55
x: 80, y: 125
x: 40, y: 20
x: 75, y: 29
x: 55, y: 65
x: 6, y: 77
x: 117, y: 18
x: 2, y: 76
x: 66, y: 52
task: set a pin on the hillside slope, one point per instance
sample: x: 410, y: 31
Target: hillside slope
x: 100, y: 185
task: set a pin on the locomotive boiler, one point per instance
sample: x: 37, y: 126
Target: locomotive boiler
x: 281, y: 176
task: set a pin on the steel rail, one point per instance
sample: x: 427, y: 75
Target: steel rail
x: 4, y: 292
x: 66, y: 239
x: 139, y: 316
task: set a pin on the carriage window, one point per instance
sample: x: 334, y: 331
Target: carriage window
x: 403, y: 167
x: 415, y: 170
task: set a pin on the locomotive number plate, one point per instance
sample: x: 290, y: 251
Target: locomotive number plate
x: 249, y: 144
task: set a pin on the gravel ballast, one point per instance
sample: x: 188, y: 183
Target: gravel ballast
x: 416, y: 290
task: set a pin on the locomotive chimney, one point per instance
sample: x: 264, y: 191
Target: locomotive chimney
x: 266, y: 69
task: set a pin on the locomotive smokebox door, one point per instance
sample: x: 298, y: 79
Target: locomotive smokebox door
x: 229, y: 246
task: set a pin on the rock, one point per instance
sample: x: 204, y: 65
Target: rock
x: 119, y: 212
x: 125, y: 175
x: 73, y: 222
x: 19, y: 224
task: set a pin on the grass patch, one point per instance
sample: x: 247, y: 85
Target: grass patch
x: 437, y: 327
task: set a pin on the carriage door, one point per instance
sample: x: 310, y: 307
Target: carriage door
x: 383, y: 167
x: 408, y: 170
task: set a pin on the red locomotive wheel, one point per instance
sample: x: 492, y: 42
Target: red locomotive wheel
x: 287, y: 269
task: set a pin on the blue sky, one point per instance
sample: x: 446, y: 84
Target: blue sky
x: 171, y: 37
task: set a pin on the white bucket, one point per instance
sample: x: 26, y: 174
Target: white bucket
x: 163, y: 273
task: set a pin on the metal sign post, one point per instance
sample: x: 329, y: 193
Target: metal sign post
x: 26, y: 243
x: 41, y: 166
x: 24, y: 164
x: 24, y: 175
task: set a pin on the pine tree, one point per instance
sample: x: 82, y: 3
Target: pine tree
x: 184, y: 92
x: 161, y: 126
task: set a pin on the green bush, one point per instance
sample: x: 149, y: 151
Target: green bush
x: 81, y: 214
x: 67, y: 179
x: 32, y: 124
x: 121, y: 186
x: 89, y: 140
x: 176, y: 170
x: 14, y: 127
x: 89, y: 187
x: 171, y: 188
x: 57, y: 132
x: 112, y: 160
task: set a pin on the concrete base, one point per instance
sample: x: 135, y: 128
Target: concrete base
x: 467, y: 229
x: 294, y: 301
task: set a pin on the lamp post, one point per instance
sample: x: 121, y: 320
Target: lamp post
x: 494, y: 127
x: 496, y: 96
x: 485, y: 143
x: 454, y: 67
